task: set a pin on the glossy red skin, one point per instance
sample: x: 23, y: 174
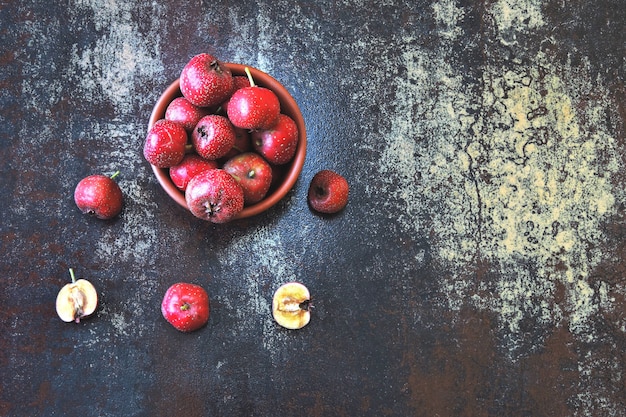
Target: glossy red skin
x: 253, y: 173
x: 242, y: 144
x: 279, y: 143
x: 165, y: 144
x: 205, y: 82
x: 182, y: 111
x: 215, y: 196
x: 240, y: 81
x: 189, y: 167
x: 186, y: 306
x: 213, y: 136
x: 278, y: 174
x: 328, y: 192
x: 99, y: 195
x: 253, y: 108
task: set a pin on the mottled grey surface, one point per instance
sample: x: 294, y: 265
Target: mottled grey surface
x: 477, y: 270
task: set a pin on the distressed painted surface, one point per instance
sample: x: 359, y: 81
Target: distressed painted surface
x: 477, y: 270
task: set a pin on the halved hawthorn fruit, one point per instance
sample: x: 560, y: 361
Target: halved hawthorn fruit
x: 76, y: 300
x: 290, y: 305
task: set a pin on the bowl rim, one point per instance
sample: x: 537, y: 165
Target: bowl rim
x: 294, y: 166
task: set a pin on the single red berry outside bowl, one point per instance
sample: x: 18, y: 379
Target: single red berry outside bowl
x: 291, y: 170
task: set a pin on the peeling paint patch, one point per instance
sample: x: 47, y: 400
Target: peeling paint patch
x: 514, y: 16
x: 113, y: 67
x: 448, y: 15
x: 514, y: 174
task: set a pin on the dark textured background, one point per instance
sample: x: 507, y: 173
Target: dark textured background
x: 477, y: 270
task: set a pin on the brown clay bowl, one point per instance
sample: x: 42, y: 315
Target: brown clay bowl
x: 291, y: 170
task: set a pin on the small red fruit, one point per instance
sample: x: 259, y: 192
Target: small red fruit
x: 190, y: 166
x: 186, y: 306
x: 205, y: 82
x: 328, y: 192
x: 240, y: 81
x: 253, y: 107
x: 99, y: 195
x: 215, y: 196
x: 278, y: 174
x: 242, y: 144
x: 165, y: 144
x: 253, y: 173
x: 277, y: 144
x: 213, y: 136
x: 181, y: 110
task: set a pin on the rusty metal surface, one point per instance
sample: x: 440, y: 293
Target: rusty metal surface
x: 477, y: 270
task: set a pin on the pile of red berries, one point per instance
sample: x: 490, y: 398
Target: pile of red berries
x: 224, y: 140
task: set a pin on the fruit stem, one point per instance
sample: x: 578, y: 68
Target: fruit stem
x: 247, y: 70
x: 115, y: 175
x: 72, y: 275
x: 215, y: 65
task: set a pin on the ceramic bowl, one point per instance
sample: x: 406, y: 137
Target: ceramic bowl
x: 291, y: 171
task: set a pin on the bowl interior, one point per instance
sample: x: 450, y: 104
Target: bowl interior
x: 291, y: 170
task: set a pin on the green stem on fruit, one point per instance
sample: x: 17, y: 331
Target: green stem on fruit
x: 72, y: 275
x: 115, y: 175
x: 247, y: 70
